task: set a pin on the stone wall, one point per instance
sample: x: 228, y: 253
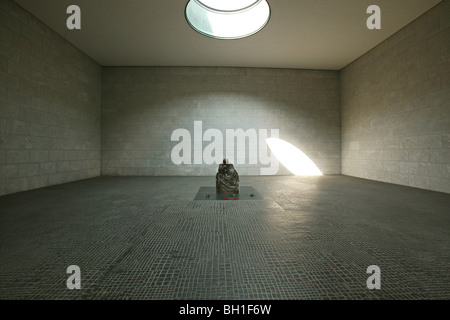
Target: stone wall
x: 143, y: 106
x: 396, y: 107
x: 49, y: 106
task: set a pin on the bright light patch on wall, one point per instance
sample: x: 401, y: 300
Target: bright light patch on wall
x: 292, y: 158
x: 227, y: 19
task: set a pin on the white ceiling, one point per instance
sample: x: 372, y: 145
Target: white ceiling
x: 306, y: 34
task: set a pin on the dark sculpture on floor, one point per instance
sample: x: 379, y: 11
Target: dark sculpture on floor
x: 227, y: 179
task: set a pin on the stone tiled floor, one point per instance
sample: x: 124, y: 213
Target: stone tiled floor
x: 147, y: 238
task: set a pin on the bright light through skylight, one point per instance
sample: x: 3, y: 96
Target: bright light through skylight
x: 230, y: 24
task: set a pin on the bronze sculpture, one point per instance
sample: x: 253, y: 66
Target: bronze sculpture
x: 227, y: 179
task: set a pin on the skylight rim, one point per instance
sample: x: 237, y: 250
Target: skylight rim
x: 204, y: 6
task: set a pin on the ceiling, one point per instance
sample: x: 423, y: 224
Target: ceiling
x: 305, y: 34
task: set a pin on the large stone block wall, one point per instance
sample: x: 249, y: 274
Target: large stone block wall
x: 396, y: 107
x: 143, y: 106
x: 49, y: 106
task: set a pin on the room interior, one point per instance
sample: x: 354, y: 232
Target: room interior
x: 111, y: 133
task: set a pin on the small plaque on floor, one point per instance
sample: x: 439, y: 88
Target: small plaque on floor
x: 209, y: 193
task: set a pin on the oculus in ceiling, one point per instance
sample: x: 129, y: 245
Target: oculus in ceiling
x: 227, y: 19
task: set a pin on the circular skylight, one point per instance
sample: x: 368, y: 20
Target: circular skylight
x: 227, y: 19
